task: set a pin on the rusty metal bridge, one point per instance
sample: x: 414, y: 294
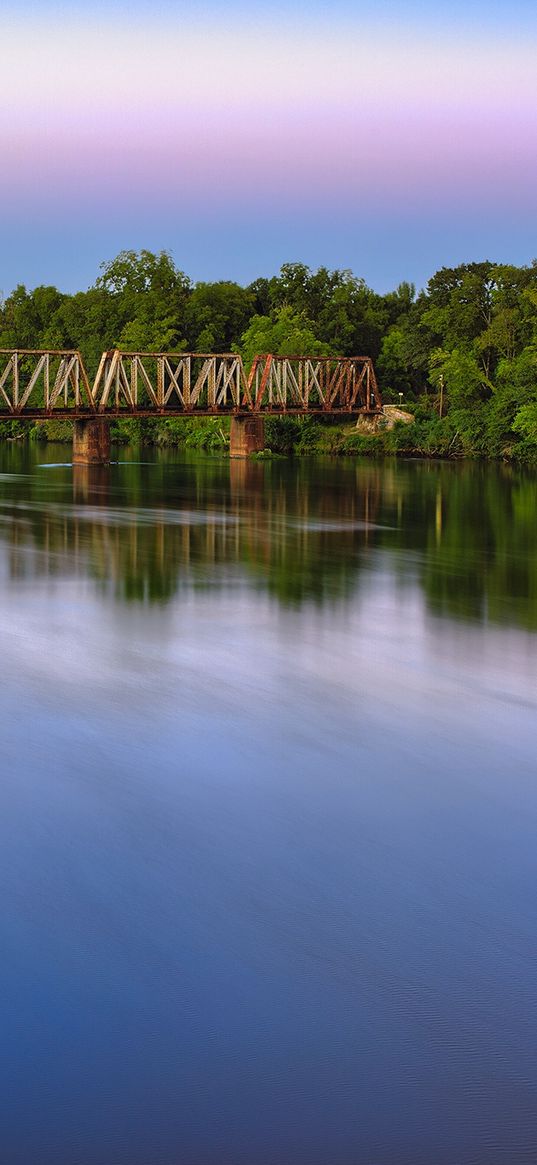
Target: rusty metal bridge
x: 40, y: 384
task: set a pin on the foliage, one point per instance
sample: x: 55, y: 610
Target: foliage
x: 286, y: 333
x: 215, y: 315
x: 60, y: 431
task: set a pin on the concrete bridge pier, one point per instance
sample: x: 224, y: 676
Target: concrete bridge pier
x: 247, y: 435
x: 91, y: 442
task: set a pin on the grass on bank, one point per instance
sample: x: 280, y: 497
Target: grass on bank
x: 462, y: 433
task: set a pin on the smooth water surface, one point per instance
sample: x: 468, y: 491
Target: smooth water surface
x: 268, y: 812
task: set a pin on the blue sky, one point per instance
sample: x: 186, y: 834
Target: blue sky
x: 389, y: 138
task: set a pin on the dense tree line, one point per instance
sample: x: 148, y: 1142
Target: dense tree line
x: 463, y: 352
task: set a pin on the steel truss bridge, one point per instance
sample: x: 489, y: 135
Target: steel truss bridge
x: 39, y: 384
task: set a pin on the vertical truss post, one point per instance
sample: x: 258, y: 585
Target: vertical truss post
x: 211, y: 383
x: 134, y: 380
x: 187, y: 380
x: 16, y: 380
x: 160, y: 381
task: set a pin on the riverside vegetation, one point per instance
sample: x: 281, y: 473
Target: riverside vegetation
x: 461, y: 354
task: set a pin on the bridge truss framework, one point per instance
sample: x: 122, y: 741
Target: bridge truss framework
x: 36, y: 384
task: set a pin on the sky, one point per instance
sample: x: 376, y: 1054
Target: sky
x: 391, y: 138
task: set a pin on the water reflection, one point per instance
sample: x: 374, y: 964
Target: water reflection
x: 147, y: 530
x: 267, y: 851
x: 144, y: 530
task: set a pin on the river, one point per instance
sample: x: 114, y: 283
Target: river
x: 268, y: 812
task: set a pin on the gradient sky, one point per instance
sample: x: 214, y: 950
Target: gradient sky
x: 389, y: 137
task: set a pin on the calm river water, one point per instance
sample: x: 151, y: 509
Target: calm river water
x: 268, y: 812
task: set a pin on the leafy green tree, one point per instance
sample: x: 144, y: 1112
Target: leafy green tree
x: 26, y: 316
x: 90, y: 321
x: 348, y: 316
x: 286, y: 333
x: 133, y: 273
x: 147, y: 295
x: 458, y: 373
x: 525, y: 421
x: 216, y: 315
x: 395, y: 363
x: 460, y: 303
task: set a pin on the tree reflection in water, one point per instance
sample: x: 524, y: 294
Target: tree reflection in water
x: 304, y: 531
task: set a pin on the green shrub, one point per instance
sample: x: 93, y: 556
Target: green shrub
x: 59, y: 430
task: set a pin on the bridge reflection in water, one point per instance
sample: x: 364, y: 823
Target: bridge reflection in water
x: 232, y: 517
x: 306, y: 531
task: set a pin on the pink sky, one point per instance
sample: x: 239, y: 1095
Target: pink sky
x: 100, y: 118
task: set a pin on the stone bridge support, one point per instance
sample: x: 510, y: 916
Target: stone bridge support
x: 247, y: 435
x: 91, y: 442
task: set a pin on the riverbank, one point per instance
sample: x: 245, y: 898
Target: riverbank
x: 460, y: 434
